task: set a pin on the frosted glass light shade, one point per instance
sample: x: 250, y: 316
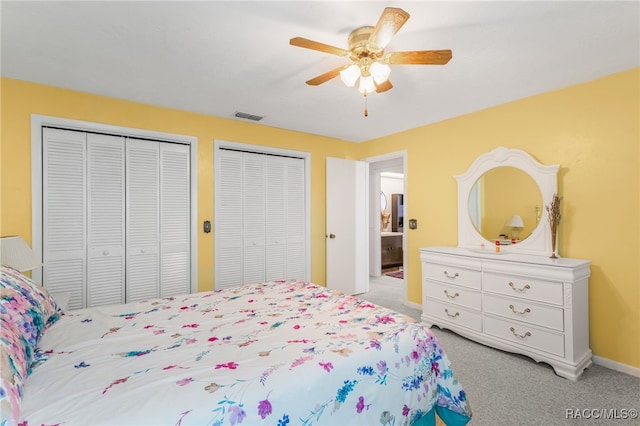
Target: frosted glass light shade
x: 350, y: 75
x: 15, y: 253
x: 366, y: 85
x: 380, y: 72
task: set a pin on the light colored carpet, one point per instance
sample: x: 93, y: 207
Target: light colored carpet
x: 509, y: 389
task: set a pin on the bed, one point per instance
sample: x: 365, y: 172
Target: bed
x: 278, y: 353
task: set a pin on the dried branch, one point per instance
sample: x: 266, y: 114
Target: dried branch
x: 553, y: 212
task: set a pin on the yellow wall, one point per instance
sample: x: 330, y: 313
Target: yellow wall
x: 509, y: 191
x: 592, y: 130
x: 20, y: 99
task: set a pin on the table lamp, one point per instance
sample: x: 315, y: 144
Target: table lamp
x: 15, y: 253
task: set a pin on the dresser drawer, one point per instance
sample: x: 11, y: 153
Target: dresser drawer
x: 453, y: 314
x: 452, y: 275
x: 525, y: 334
x: 524, y: 310
x: 511, y: 285
x: 454, y: 295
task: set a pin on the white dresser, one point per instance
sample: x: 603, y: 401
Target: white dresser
x: 526, y: 304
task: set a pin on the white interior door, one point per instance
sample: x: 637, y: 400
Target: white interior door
x: 253, y: 213
x: 347, y: 257
x: 175, y: 241
x: 143, y: 220
x: 296, y: 220
x: 77, y: 208
x: 262, y: 218
x: 105, y: 219
x: 275, y: 216
x: 64, y: 214
x: 229, y: 262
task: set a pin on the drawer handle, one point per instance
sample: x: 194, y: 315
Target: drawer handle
x: 451, y: 296
x: 446, y: 274
x: 526, y: 311
x: 521, y: 336
x: 519, y: 290
x: 451, y: 315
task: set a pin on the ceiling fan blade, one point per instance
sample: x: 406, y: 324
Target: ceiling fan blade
x: 419, y: 57
x: 314, y: 45
x: 391, y: 20
x: 322, y: 78
x: 384, y: 86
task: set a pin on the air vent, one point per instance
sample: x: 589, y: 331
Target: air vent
x: 247, y: 116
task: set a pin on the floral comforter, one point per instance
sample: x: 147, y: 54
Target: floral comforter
x: 280, y: 353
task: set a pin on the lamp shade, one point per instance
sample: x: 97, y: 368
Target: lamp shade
x: 350, y: 75
x: 380, y: 72
x: 16, y: 254
x: 516, y: 222
x: 366, y: 85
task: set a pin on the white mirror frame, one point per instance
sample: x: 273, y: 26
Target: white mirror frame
x: 546, y: 177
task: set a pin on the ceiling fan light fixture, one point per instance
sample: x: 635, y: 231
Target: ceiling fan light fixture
x: 366, y: 85
x: 369, y: 62
x: 350, y: 75
x: 380, y: 72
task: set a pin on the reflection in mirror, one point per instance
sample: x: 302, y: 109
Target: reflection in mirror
x: 498, y: 187
x: 498, y: 196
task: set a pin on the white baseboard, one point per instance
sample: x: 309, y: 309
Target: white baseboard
x: 617, y: 366
x: 412, y: 305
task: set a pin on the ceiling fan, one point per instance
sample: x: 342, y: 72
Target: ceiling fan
x: 369, y: 62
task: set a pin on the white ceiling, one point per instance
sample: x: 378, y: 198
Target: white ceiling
x: 218, y: 57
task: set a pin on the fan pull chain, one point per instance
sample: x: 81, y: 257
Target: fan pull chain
x: 366, y: 111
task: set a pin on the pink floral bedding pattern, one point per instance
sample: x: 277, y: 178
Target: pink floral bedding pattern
x: 26, y: 310
x: 282, y: 353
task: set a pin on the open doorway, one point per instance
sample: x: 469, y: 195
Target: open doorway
x: 392, y: 223
x: 387, y: 233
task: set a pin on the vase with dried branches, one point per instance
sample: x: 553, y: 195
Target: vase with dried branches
x: 553, y: 212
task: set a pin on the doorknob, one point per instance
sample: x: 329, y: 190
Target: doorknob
x: 332, y: 236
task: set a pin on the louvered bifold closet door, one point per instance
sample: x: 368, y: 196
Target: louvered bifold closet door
x: 142, y: 219
x: 64, y: 214
x: 295, y: 263
x: 175, y: 223
x: 276, y: 218
x: 228, y: 219
x: 254, y: 223
x: 105, y: 220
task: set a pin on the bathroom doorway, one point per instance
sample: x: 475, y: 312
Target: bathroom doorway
x: 387, y: 233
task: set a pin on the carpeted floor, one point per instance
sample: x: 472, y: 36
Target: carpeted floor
x: 513, y: 390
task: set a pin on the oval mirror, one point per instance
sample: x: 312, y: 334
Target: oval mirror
x: 505, y: 203
x: 499, y: 186
x: 383, y: 201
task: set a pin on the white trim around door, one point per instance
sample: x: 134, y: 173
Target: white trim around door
x: 267, y: 150
x: 378, y: 164
x: 40, y: 121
